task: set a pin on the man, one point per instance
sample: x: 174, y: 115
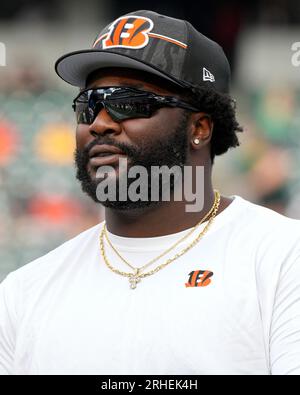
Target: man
x: 159, y: 287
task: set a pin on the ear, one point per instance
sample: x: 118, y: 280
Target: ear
x: 202, y: 128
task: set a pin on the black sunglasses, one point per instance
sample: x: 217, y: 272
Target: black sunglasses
x: 122, y: 103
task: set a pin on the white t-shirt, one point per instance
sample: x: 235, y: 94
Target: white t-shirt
x: 230, y: 305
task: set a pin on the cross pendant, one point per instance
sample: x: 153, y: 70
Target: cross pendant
x: 134, y: 279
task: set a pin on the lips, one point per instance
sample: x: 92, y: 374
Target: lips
x: 101, y: 155
x: 104, y: 150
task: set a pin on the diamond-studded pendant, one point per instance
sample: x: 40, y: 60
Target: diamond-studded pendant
x: 134, y: 279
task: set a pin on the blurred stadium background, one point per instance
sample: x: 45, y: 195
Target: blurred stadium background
x: 41, y: 204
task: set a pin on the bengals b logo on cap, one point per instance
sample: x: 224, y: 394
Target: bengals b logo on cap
x: 127, y: 32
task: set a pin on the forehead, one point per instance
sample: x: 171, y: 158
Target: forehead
x: 133, y: 78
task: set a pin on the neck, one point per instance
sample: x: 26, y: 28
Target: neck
x: 161, y: 219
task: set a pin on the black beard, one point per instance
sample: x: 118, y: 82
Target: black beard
x: 166, y: 151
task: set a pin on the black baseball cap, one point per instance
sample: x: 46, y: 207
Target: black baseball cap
x: 145, y: 40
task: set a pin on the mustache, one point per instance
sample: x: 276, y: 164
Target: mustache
x: 130, y: 151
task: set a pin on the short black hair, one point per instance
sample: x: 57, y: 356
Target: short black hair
x: 222, y: 109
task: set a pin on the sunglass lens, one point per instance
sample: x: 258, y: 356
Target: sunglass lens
x: 83, y: 113
x: 121, y: 110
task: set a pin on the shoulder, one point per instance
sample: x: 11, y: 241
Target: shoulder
x: 44, y: 277
x: 270, y: 239
x: 56, y: 260
x: 263, y: 222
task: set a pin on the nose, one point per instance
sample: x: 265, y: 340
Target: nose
x: 103, y: 124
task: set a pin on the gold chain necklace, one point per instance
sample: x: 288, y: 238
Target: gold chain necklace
x: 165, y: 252
x: 136, y: 276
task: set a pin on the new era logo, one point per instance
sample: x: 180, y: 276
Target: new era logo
x: 207, y: 75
